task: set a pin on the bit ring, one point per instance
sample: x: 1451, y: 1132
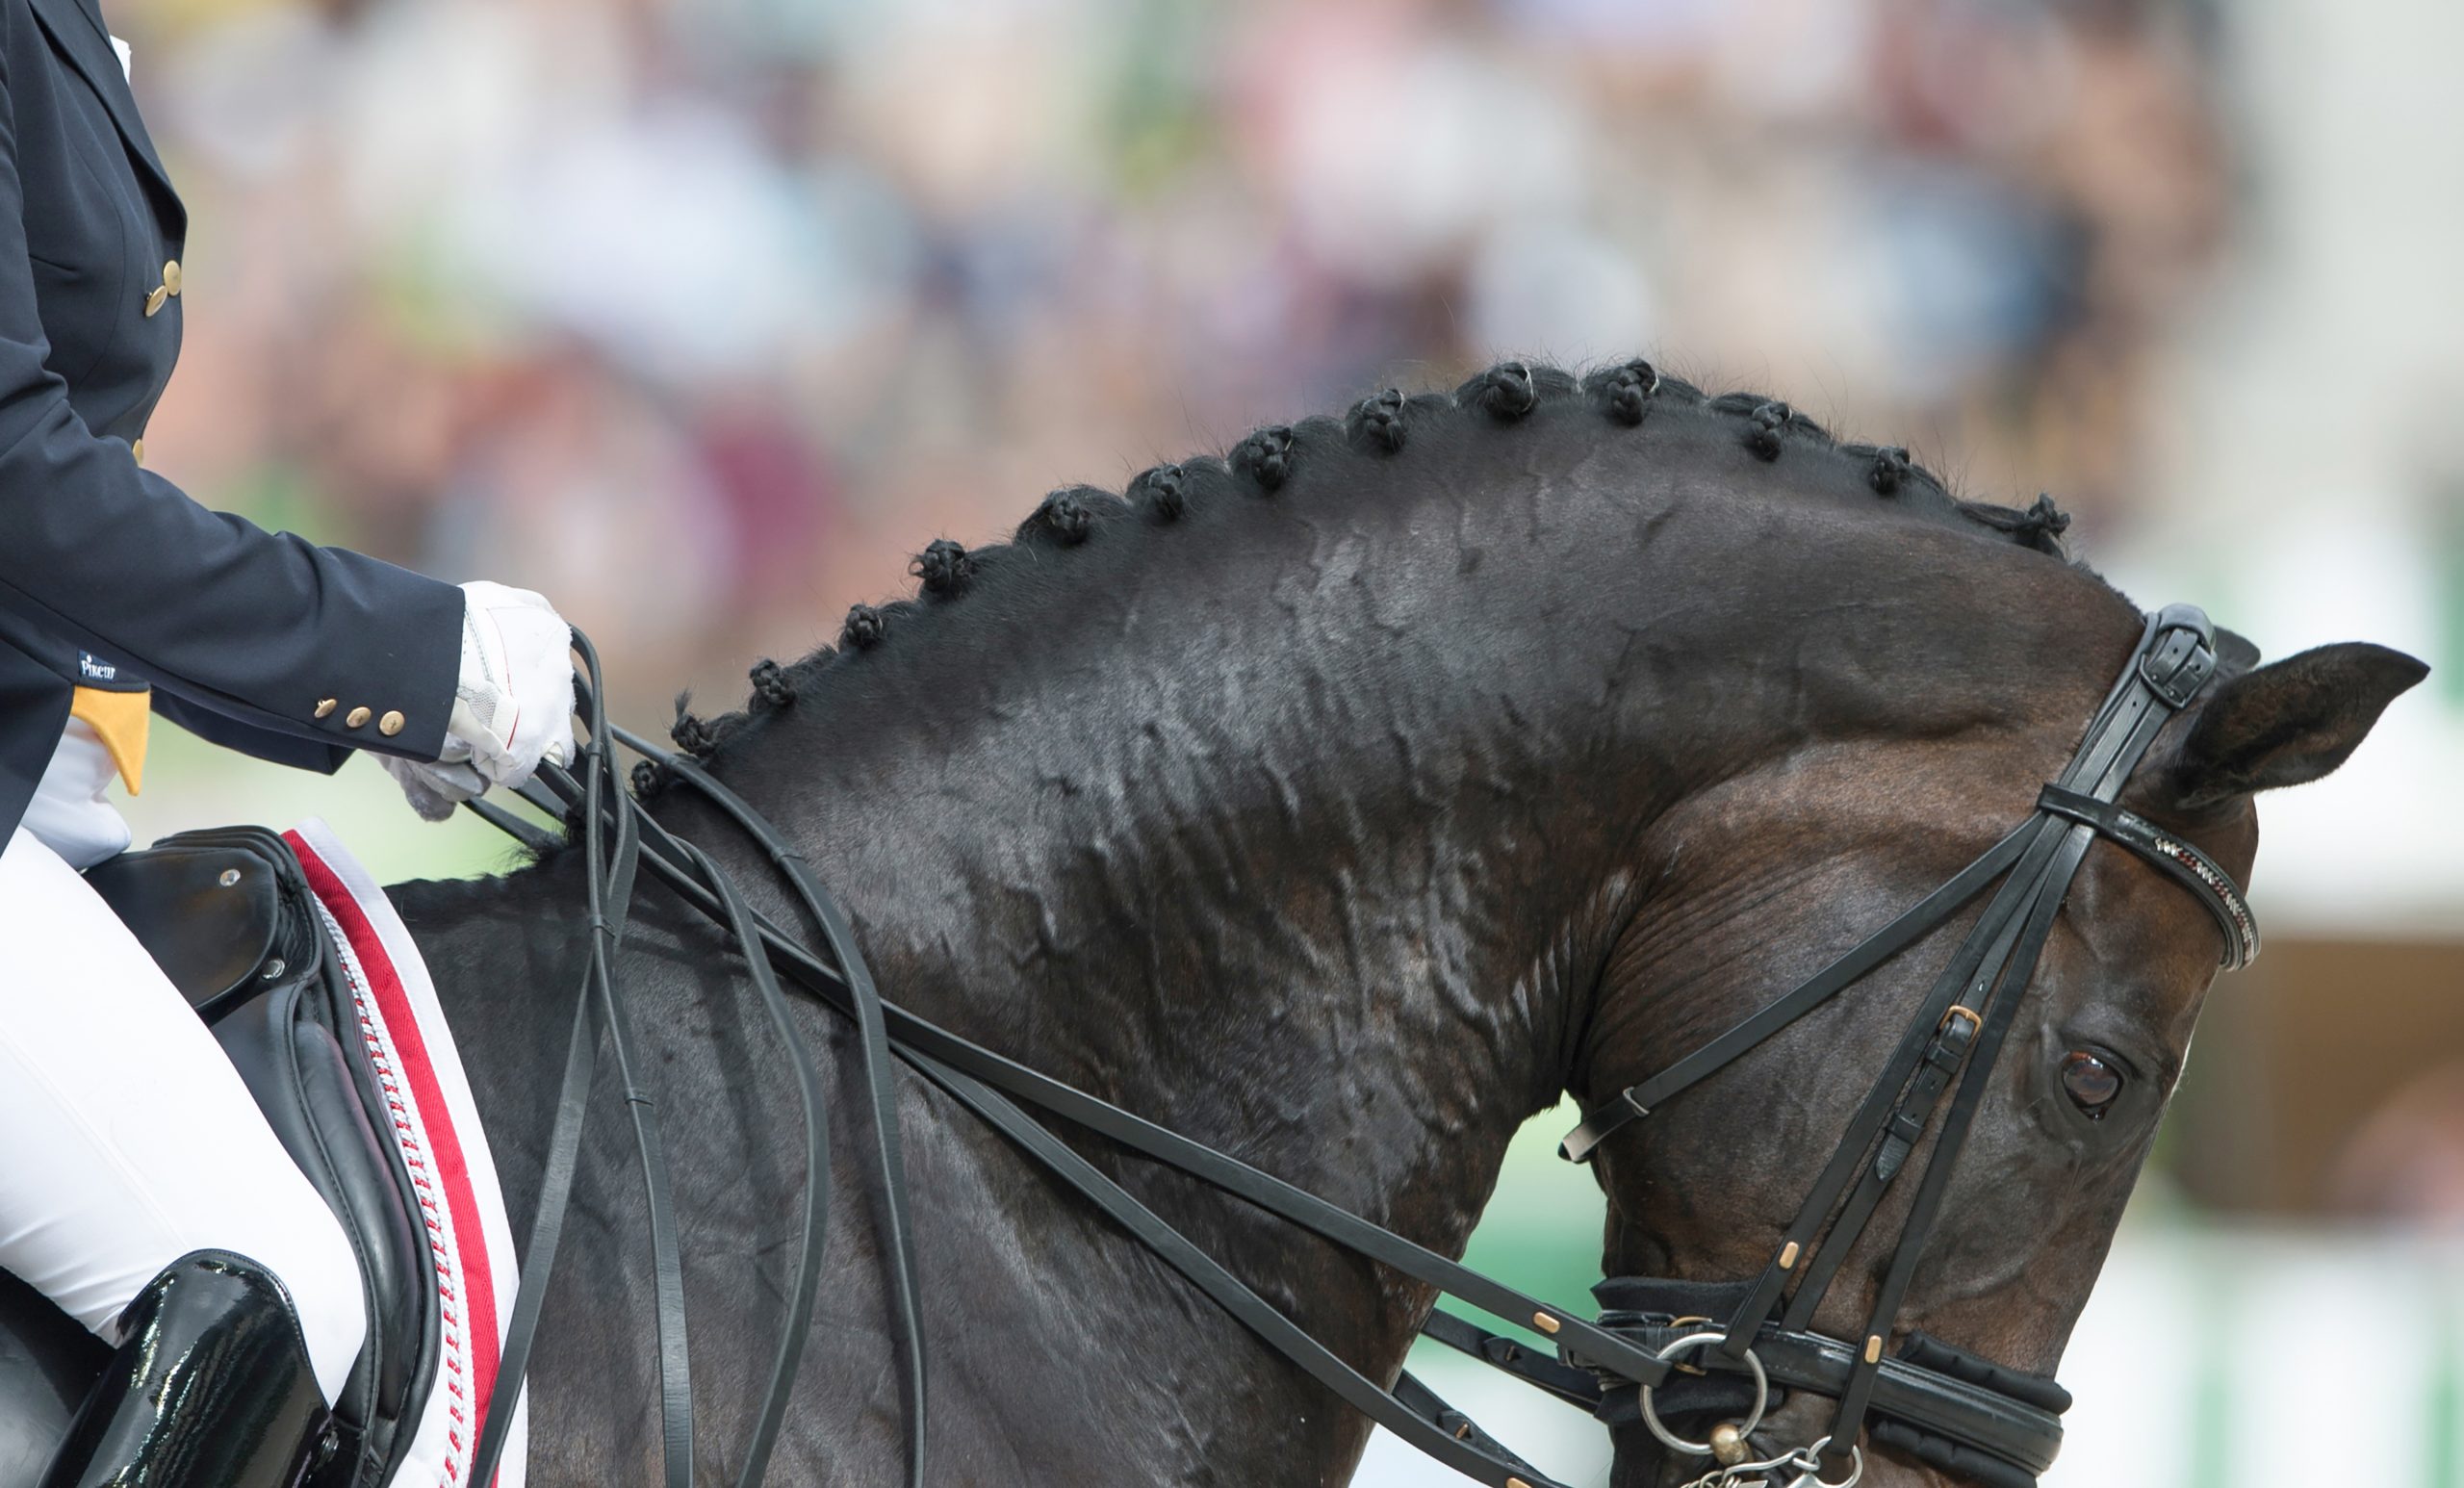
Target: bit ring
x: 1753, y: 1418
x: 1856, y: 1468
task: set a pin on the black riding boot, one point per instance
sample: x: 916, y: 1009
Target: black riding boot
x: 211, y: 1388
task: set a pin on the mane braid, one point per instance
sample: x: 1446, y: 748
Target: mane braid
x: 1624, y: 396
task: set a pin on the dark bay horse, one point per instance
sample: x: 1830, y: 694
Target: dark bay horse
x: 1341, y: 804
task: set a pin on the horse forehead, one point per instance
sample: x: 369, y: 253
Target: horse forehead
x: 2135, y: 943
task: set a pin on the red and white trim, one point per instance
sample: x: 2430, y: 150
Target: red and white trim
x: 435, y: 1125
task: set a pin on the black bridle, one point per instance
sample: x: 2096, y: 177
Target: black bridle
x: 1960, y: 1026
x: 1662, y: 1347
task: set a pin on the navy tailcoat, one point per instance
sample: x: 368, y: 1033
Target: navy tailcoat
x: 109, y: 576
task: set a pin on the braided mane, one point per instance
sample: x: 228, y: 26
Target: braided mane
x: 1624, y: 396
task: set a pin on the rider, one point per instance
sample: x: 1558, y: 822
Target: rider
x: 139, y: 1188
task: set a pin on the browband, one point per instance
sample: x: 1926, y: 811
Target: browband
x: 2210, y: 884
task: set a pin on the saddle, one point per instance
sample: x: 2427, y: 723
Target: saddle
x: 228, y: 915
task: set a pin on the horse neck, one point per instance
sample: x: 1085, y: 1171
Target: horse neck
x: 1308, y: 846
x: 1310, y: 843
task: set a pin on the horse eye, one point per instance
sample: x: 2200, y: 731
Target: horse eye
x: 2091, y: 1083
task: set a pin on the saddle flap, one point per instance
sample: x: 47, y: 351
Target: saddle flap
x: 209, y: 908
x: 298, y: 1070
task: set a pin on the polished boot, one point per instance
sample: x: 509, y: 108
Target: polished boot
x: 211, y: 1388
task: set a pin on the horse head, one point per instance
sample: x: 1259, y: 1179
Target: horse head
x: 1738, y: 1199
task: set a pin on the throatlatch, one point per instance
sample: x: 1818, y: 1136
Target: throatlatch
x: 1663, y: 1349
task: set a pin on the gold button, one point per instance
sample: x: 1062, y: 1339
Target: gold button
x: 324, y: 706
x: 171, y: 276
x: 356, y: 717
x: 136, y: 451
x: 154, y: 301
x: 391, y: 723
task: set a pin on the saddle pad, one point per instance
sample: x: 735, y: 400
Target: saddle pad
x: 435, y: 1125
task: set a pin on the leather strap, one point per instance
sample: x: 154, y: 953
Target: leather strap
x: 547, y: 1232
x: 1955, y: 1125
x: 1458, y: 1451
x: 1639, y: 1100
x: 1994, y: 963
x: 1948, y: 1050
x: 1428, y: 1406
x: 1981, y: 1417
x: 609, y: 872
x: 1966, y: 980
x: 926, y: 1046
x: 911, y: 1037
x: 898, y: 1242
x: 1576, y: 1387
x: 2175, y: 658
x: 814, y: 1232
x: 2184, y: 863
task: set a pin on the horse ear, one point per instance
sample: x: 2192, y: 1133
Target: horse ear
x: 2235, y: 652
x: 2286, y: 724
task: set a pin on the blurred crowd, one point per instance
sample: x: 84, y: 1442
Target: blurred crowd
x: 699, y: 314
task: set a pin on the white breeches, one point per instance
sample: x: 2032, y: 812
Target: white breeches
x: 126, y: 1138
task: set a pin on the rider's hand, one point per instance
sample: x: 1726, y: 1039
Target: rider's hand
x: 515, y: 705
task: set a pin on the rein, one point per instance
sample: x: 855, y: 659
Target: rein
x: 1948, y: 1407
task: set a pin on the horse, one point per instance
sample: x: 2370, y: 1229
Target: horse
x: 1343, y: 802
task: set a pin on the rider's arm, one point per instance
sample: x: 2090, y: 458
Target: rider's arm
x: 270, y: 744
x: 324, y: 645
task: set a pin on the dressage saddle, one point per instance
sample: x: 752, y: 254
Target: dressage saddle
x: 228, y: 915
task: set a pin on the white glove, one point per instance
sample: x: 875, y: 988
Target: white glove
x: 515, y: 705
x: 435, y: 789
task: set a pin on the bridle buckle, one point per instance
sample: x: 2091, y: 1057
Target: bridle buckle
x: 1681, y: 1324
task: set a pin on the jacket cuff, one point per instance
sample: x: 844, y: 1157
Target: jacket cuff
x: 393, y: 693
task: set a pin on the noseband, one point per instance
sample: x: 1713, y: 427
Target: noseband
x: 1661, y: 1348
